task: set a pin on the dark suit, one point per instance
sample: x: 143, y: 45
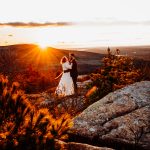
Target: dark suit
x: 74, y: 73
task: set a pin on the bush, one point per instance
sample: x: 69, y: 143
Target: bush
x: 116, y: 72
x: 22, y: 126
x: 8, y: 61
x: 33, y: 81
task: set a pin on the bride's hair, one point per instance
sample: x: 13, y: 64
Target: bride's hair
x: 63, y: 59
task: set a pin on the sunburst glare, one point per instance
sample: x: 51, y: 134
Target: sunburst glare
x: 43, y: 45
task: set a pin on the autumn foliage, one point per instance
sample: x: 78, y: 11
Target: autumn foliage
x: 116, y: 72
x: 34, y: 81
x: 22, y: 126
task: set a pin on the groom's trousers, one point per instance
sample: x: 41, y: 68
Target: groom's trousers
x: 75, y: 83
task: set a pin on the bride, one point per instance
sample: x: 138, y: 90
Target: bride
x: 65, y: 86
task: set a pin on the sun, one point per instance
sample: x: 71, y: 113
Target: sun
x: 43, y: 45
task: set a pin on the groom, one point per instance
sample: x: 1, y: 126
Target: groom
x: 73, y: 71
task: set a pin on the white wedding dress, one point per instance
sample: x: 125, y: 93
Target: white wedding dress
x: 65, y: 86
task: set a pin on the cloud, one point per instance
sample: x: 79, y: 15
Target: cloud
x: 34, y: 24
x: 97, y: 22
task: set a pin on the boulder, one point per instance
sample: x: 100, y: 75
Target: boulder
x: 81, y: 146
x: 122, y: 116
x: 76, y: 146
x: 84, y: 83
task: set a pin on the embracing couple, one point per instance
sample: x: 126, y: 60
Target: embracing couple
x: 68, y: 82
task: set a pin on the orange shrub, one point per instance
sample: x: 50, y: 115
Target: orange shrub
x: 117, y: 71
x: 33, y: 81
x: 23, y: 126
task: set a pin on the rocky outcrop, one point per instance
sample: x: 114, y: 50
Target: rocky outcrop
x: 122, y: 116
x: 84, y: 83
x: 81, y: 146
x: 76, y: 146
x: 74, y: 104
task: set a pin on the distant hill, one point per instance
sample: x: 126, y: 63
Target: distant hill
x: 27, y: 54
x: 89, y: 59
x: 140, y: 52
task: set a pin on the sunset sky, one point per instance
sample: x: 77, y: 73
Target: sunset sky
x: 58, y: 17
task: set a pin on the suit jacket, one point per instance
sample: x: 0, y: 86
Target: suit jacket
x: 74, y: 71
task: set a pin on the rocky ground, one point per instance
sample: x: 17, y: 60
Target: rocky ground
x: 72, y: 104
x: 77, y: 146
x: 122, y: 116
x: 120, y: 120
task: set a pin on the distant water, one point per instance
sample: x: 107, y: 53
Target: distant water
x: 78, y: 35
